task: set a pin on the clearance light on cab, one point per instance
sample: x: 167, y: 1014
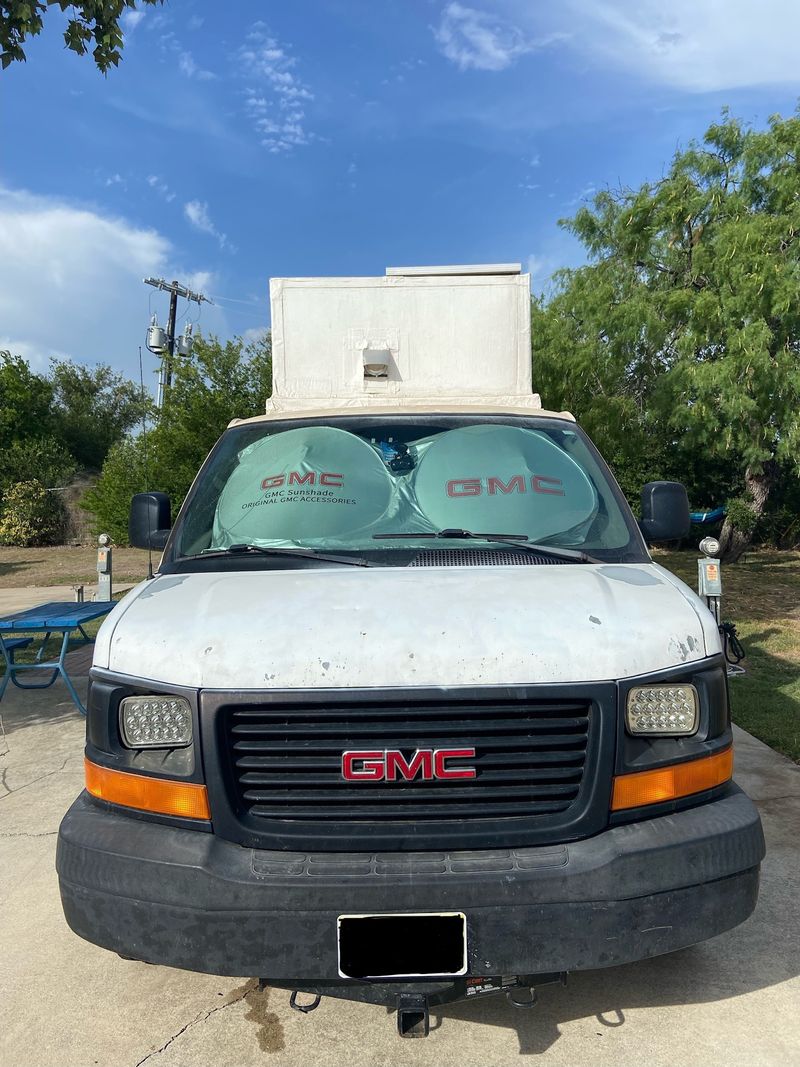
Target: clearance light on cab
x: 663, y: 710
x: 668, y: 783
x: 156, y: 722
x: 160, y: 795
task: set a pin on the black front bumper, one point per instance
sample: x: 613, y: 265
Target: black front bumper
x: 188, y: 899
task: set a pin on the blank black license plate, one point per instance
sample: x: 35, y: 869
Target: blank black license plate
x: 403, y: 946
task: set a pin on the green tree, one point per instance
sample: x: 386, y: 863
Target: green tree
x: 25, y: 399
x: 219, y: 382
x: 129, y: 468
x: 682, y: 334
x: 91, y: 22
x: 92, y: 409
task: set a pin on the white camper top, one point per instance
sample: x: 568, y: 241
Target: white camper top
x: 416, y: 337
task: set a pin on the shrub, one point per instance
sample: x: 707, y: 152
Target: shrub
x: 44, y: 458
x: 109, y: 500
x: 31, y: 516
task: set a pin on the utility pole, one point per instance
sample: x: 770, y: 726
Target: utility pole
x: 167, y: 349
x: 166, y: 364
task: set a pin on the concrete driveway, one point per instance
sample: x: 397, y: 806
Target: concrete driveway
x: 63, y: 1002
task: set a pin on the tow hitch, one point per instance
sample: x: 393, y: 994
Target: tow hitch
x: 413, y: 1000
x: 412, y: 1015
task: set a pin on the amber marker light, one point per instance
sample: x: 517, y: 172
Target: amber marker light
x: 669, y: 783
x: 160, y: 795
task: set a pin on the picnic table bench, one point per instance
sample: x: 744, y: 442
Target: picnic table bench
x: 56, y: 617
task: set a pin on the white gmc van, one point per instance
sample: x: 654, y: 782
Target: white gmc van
x: 407, y: 713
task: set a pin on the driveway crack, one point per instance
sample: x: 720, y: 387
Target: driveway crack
x: 33, y: 781
x: 201, y: 1017
x: 21, y: 833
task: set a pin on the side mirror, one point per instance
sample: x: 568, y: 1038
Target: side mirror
x: 150, y: 520
x: 665, y: 512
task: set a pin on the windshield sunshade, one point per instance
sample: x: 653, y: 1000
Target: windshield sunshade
x: 369, y: 484
x: 315, y: 482
x: 502, y: 478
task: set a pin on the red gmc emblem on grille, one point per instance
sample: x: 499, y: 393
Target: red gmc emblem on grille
x: 429, y: 764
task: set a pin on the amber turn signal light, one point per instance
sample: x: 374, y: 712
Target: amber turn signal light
x: 160, y: 795
x: 668, y: 783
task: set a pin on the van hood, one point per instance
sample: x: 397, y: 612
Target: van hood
x: 399, y: 627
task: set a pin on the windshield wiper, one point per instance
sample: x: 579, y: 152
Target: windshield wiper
x: 299, y: 553
x: 518, y: 540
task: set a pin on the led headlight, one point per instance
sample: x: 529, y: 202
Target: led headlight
x: 156, y: 722
x: 666, y: 710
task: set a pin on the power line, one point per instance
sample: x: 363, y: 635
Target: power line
x: 235, y: 300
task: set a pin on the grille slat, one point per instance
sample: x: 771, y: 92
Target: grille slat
x: 457, y: 790
x: 347, y: 712
x: 297, y: 780
x: 368, y: 813
x: 415, y: 728
x: 454, y: 793
x: 310, y: 762
x: 285, y: 763
x: 444, y: 740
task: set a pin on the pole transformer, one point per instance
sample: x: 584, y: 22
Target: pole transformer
x: 167, y: 353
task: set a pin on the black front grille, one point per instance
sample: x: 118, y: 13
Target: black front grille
x: 285, y: 767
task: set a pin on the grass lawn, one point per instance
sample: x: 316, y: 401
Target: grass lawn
x: 761, y: 595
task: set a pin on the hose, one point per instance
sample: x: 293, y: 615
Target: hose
x: 731, y: 645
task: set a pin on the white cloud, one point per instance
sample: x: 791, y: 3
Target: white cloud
x: 196, y: 212
x: 161, y: 187
x: 477, y: 40
x: 186, y: 64
x: 188, y: 67
x: 130, y: 19
x: 71, y: 281
x: 255, y: 334
x: 693, y: 45
x: 276, y: 96
x: 115, y: 179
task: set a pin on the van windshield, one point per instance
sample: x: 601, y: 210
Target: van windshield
x: 344, y: 484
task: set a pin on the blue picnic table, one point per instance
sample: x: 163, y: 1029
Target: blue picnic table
x: 57, y: 617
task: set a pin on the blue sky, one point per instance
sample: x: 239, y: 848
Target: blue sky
x: 258, y: 138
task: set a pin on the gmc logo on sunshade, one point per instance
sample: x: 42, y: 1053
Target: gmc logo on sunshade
x: 275, y: 481
x: 540, y: 483
x: 429, y: 764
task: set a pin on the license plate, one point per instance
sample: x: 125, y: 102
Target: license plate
x: 403, y: 945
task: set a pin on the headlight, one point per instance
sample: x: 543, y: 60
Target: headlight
x: 665, y: 710
x: 156, y: 722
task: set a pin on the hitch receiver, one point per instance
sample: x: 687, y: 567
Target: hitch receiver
x: 412, y: 1015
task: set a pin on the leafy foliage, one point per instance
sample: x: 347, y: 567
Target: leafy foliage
x: 678, y: 344
x: 31, y: 516
x: 25, y: 399
x: 219, y: 382
x: 44, y: 458
x: 50, y: 428
x: 127, y: 470
x: 91, y: 23
x: 92, y: 409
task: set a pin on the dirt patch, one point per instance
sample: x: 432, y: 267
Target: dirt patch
x: 67, y: 565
